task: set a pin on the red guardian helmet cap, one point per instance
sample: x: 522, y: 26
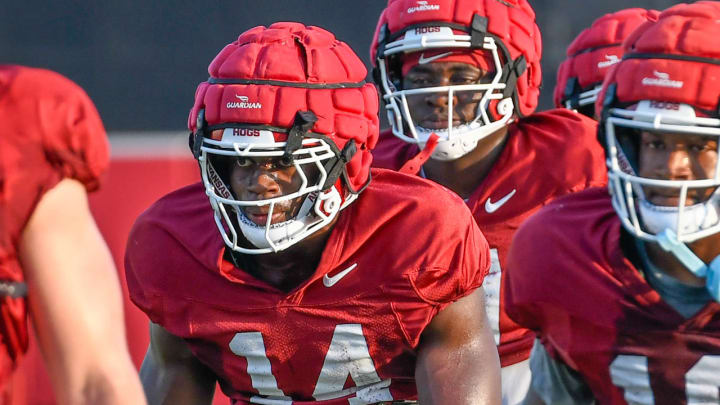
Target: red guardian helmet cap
x: 591, y: 55
x: 293, y: 93
x: 498, y: 36
x: 667, y: 82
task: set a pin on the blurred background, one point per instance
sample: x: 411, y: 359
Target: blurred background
x: 140, y: 61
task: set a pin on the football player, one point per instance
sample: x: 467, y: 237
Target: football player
x: 622, y: 286
x: 590, y: 57
x: 460, y: 81
x: 54, y: 264
x: 303, y: 280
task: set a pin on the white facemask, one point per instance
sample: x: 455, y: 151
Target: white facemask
x: 464, y: 137
x: 277, y: 233
x: 282, y: 232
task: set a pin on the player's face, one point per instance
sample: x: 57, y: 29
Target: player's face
x: 431, y: 110
x: 669, y: 156
x: 258, y: 178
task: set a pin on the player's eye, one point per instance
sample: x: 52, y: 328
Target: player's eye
x: 243, y: 162
x: 286, y: 161
x: 654, y: 144
x: 463, y: 79
x: 419, y: 81
x: 703, y: 145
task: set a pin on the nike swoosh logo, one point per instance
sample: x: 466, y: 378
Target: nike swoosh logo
x: 331, y: 281
x: 424, y: 60
x: 491, y: 207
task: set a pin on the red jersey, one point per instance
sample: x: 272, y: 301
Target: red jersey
x: 348, y: 333
x: 547, y: 155
x: 51, y: 130
x: 569, y: 279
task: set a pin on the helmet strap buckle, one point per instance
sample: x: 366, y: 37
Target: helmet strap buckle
x: 334, y: 167
x: 513, y: 70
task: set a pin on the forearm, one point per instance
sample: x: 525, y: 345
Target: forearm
x: 87, y: 357
x: 103, y: 387
x: 75, y: 302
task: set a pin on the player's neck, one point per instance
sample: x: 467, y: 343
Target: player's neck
x: 288, y: 269
x: 465, y: 174
x: 706, y: 249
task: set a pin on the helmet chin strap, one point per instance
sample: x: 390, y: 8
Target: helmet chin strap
x: 413, y: 165
x: 669, y: 242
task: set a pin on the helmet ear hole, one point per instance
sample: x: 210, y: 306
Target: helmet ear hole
x: 330, y: 201
x: 505, y: 106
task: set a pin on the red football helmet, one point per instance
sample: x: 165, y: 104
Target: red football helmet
x: 590, y: 56
x: 295, y: 93
x: 667, y: 82
x: 504, y: 31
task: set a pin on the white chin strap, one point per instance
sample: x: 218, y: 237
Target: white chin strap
x: 669, y: 242
x: 664, y: 223
x: 694, y: 218
x: 281, y: 235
